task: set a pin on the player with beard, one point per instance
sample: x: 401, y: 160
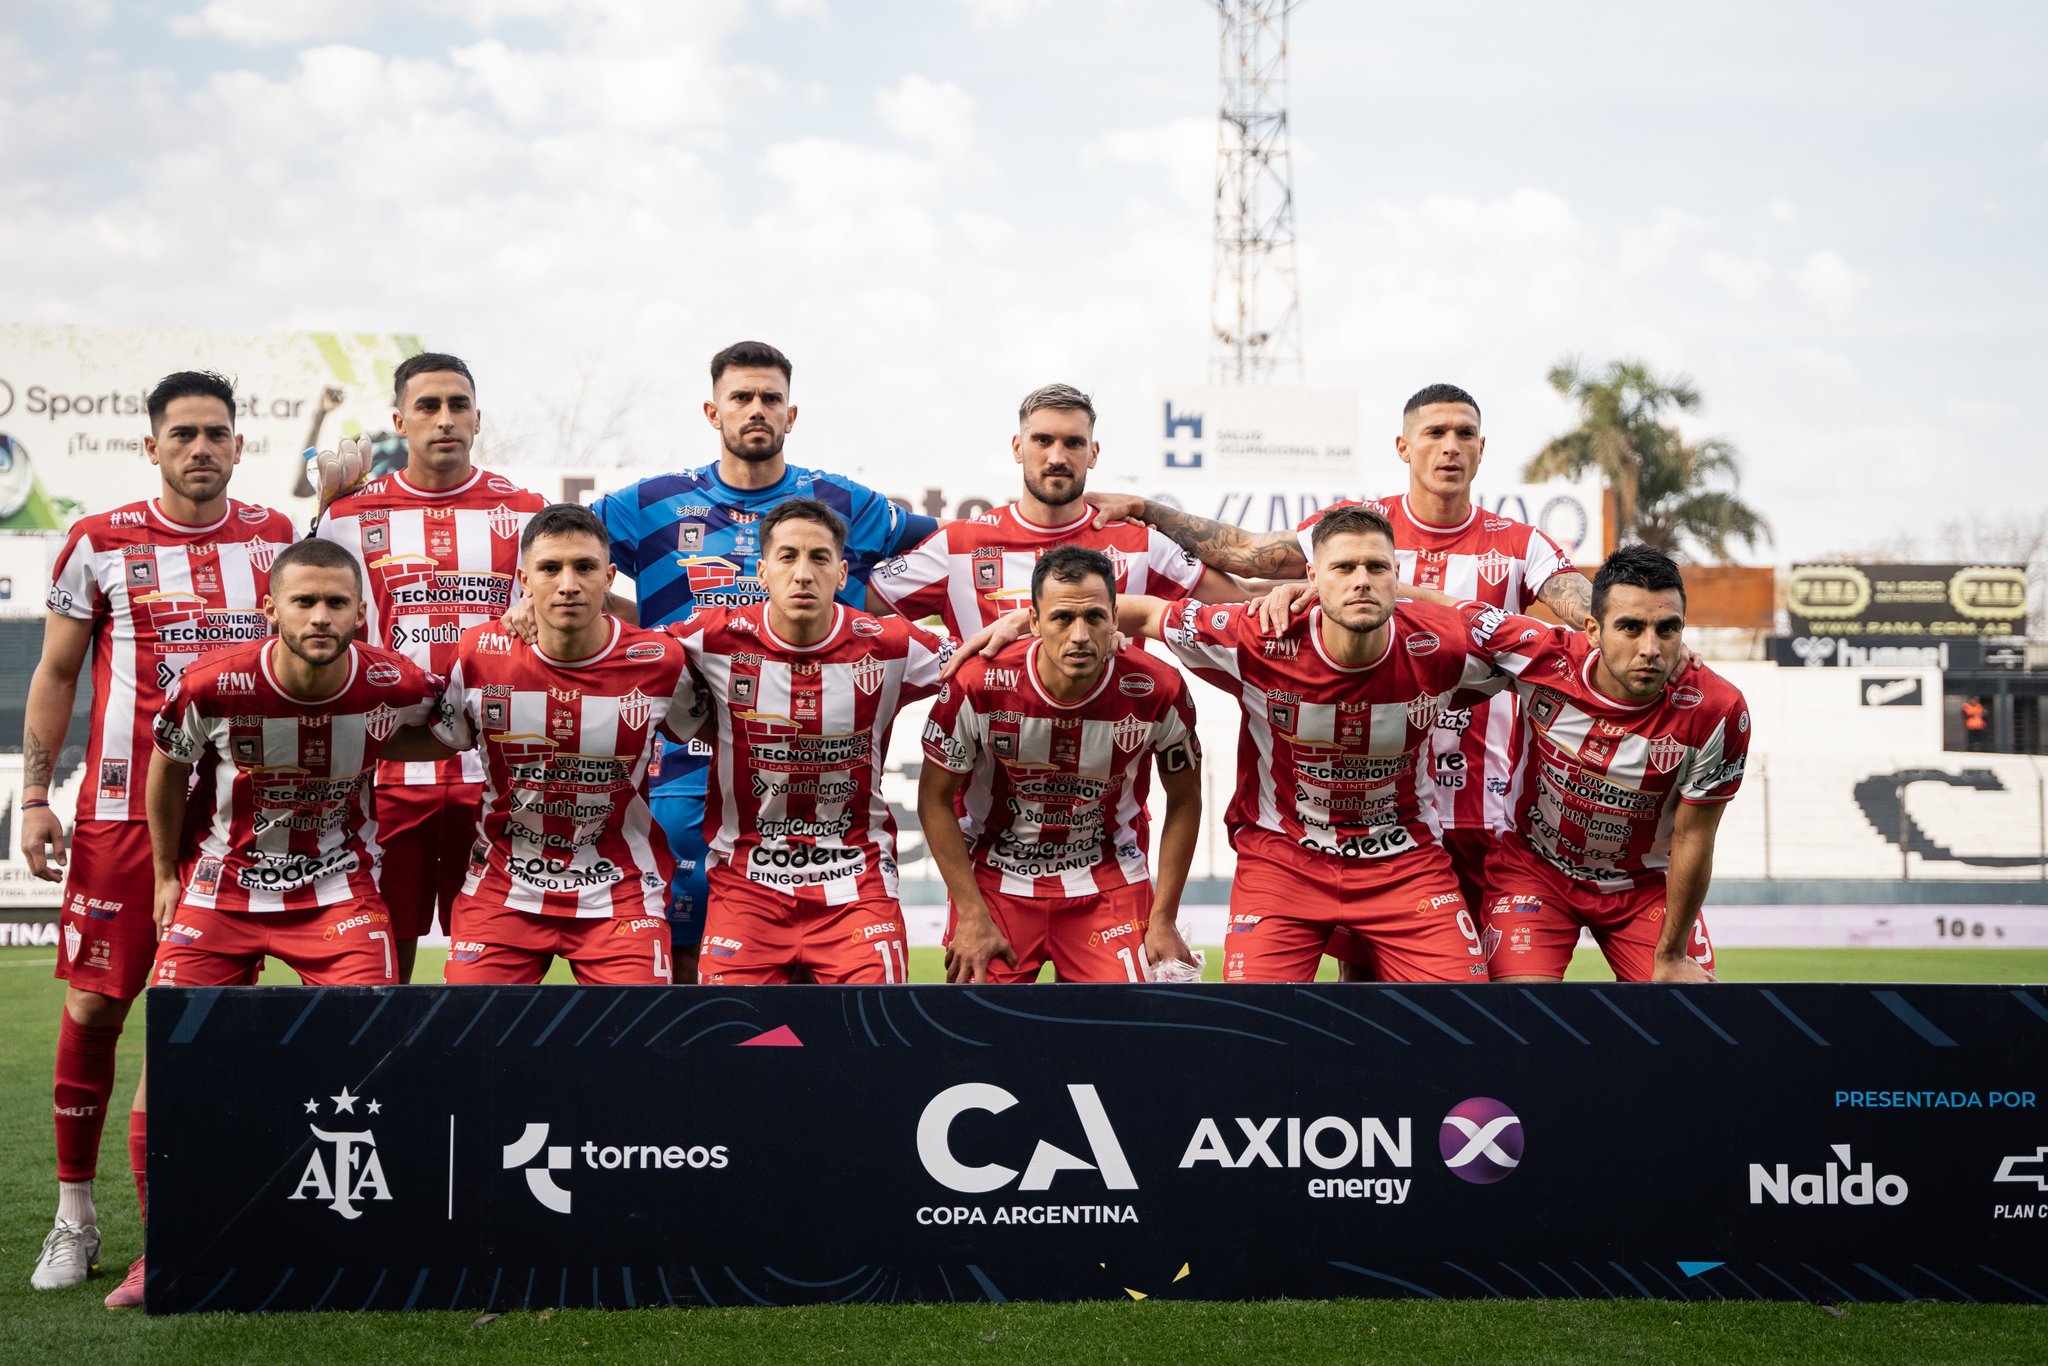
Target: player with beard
x: 438, y: 542
x: 1330, y: 821
x: 1050, y: 743
x: 145, y: 591
x: 1444, y: 542
x: 1628, y: 759
x: 971, y: 572
x: 692, y: 540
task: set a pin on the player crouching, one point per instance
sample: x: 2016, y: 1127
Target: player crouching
x: 804, y: 691
x: 1053, y: 740
x: 567, y: 861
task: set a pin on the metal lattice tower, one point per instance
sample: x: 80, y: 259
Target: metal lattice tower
x: 1255, y: 297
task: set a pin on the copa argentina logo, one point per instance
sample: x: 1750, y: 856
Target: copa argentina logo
x: 344, y: 1168
x: 1841, y: 1182
x: 1047, y: 1162
x: 533, y: 1143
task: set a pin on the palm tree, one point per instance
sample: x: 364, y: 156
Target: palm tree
x: 1670, y: 491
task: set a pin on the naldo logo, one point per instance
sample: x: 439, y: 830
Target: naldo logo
x: 1841, y: 1182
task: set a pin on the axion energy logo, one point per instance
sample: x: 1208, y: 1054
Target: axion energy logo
x: 1481, y: 1140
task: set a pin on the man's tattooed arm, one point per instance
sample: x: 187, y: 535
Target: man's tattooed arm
x: 1569, y: 596
x: 1270, y: 555
x: 36, y: 764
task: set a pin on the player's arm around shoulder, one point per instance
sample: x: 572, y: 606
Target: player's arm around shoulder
x: 434, y: 724
x: 181, y: 734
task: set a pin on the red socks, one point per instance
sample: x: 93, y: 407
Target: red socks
x: 138, y: 1158
x: 84, y: 1084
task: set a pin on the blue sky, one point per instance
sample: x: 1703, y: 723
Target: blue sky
x: 1830, y: 215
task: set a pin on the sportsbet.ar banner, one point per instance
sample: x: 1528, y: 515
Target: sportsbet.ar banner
x: 508, y: 1148
x: 73, y: 415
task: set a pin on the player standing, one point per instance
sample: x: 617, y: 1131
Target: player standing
x: 1628, y: 761
x: 803, y: 691
x: 973, y: 571
x: 1051, y: 741
x: 438, y: 542
x: 145, y: 590
x: 567, y: 861
x: 692, y: 540
x: 287, y: 865
x: 1442, y: 541
x: 1330, y: 821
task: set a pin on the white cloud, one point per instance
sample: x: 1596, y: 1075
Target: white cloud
x: 1831, y: 283
x: 1744, y: 279
x: 262, y: 22
x: 1782, y: 211
x: 1648, y: 246
x: 1981, y: 412
x: 934, y: 114
x: 801, y: 9
x: 1185, y: 150
x: 1000, y: 13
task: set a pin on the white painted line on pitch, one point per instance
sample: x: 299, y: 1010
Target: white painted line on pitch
x: 32, y: 963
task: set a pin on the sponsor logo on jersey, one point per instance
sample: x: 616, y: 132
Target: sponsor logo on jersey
x: 1289, y: 648
x: 1134, y: 685
x: 1665, y: 753
x: 382, y: 674
x: 253, y: 514
x: 1687, y: 697
x: 504, y: 522
x: 868, y: 673
x: 1497, y: 524
x: 1219, y: 619
x: 124, y: 518
x: 644, y: 651
x: 497, y: 485
x: 494, y: 643
x: 866, y: 626
x: 1129, y: 732
x: 1421, y: 643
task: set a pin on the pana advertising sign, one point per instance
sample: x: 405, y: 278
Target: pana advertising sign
x: 1908, y: 599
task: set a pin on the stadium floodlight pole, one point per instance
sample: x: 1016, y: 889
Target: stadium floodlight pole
x: 1255, y: 295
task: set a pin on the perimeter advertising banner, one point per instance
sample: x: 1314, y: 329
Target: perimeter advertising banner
x: 1930, y: 601
x: 530, y: 1147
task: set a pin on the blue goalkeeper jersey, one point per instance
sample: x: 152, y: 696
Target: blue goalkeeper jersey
x: 691, y: 540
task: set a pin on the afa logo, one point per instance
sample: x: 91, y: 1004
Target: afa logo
x: 344, y: 1169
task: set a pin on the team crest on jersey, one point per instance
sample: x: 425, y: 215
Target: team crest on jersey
x: 1422, y: 712
x: 868, y: 673
x: 1121, y: 563
x: 1134, y: 685
x: 1129, y: 733
x: 634, y: 709
x: 690, y: 537
x: 261, y: 553
x: 504, y: 521
x: 1665, y: 753
x: 380, y: 721
x: 988, y: 573
x: 1493, y: 567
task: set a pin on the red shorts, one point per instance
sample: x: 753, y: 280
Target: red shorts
x: 754, y: 937
x: 497, y: 946
x: 1469, y: 850
x: 107, y: 927
x: 1097, y: 938
x: 345, y: 945
x: 1407, y: 909
x: 426, y: 830
x: 1533, y: 915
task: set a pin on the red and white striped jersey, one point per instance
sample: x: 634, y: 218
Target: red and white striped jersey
x: 1600, y: 780
x: 1056, y: 804
x: 435, y: 564
x: 1485, y: 558
x: 799, y: 736
x: 566, y: 746
x: 293, y: 826
x: 161, y: 596
x: 1328, y: 755
x: 973, y: 571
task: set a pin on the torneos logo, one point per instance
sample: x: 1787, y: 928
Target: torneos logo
x: 541, y: 1180
x: 935, y: 1131
x: 1481, y: 1140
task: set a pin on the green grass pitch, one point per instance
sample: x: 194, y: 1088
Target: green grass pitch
x: 67, y: 1326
